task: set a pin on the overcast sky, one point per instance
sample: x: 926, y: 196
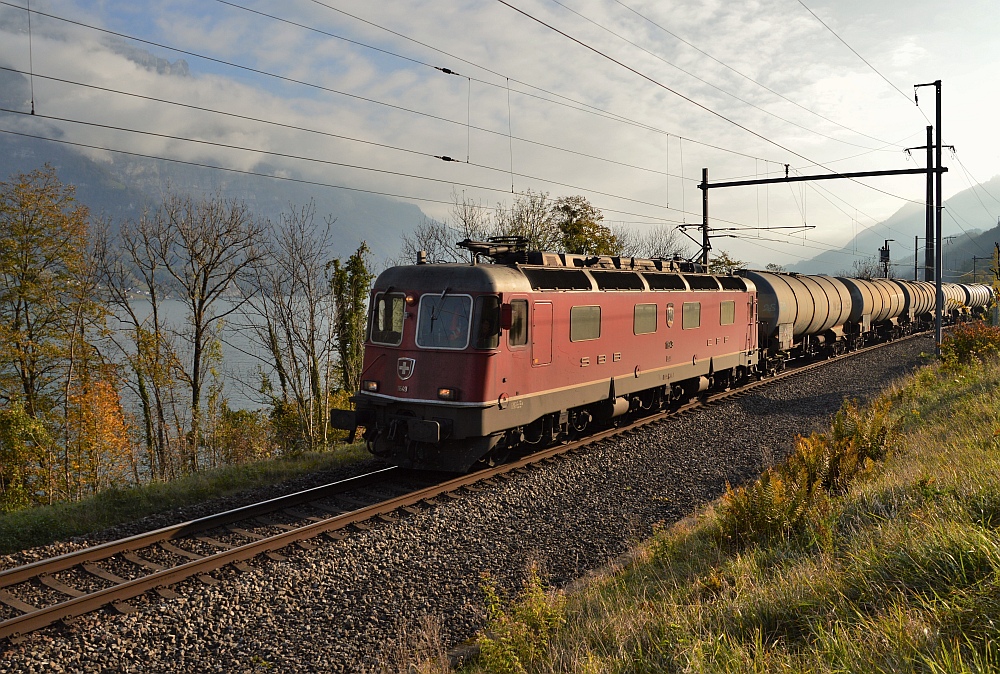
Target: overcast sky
x: 768, y: 85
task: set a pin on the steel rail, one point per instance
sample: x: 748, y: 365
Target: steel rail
x: 118, y: 593
x: 183, y: 529
x: 77, y: 606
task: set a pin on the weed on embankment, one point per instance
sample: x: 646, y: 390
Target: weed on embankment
x: 874, y: 548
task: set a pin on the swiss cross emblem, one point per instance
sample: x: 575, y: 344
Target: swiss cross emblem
x: 404, y: 368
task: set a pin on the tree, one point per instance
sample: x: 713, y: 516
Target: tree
x: 774, y: 268
x: 48, y: 317
x: 351, y: 284
x: 530, y: 217
x: 723, y: 264
x: 207, y: 246
x: 134, y: 283
x: 23, y: 440
x: 98, y: 440
x: 290, y: 313
x: 570, y: 224
x: 659, y: 242
x: 865, y: 268
x: 582, y: 231
x: 43, y: 237
x: 466, y: 220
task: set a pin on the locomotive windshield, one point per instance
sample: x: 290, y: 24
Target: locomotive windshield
x: 443, y: 321
x: 387, y: 319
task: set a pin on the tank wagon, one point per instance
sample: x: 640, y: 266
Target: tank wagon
x: 466, y: 362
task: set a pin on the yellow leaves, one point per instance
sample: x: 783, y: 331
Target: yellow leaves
x: 98, y: 435
x: 779, y: 502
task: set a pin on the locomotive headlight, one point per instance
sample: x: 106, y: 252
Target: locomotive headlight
x: 448, y: 393
x: 369, y: 385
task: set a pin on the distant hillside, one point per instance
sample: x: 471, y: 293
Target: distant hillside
x: 121, y: 186
x: 958, y: 254
x: 965, y: 218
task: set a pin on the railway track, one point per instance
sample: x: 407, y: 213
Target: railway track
x: 63, y: 588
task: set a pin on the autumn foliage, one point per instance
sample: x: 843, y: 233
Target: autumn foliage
x: 98, y: 444
x: 102, y: 387
x: 970, y: 343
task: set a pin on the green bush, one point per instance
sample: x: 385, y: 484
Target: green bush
x: 780, y: 501
x: 772, y: 506
x: 516, y: 638
x: 970, y: 343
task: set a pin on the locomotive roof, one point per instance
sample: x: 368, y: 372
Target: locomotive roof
x: 479, y: 278
x: 508, y: 278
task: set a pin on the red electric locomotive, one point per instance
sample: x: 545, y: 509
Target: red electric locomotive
x: 465, y: 362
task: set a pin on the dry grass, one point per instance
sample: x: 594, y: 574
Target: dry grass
x: 875, y: 549
x: 418, y: 650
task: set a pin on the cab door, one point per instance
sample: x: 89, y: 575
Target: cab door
x: 541, y: 334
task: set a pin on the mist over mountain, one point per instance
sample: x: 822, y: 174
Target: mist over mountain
x: 968, y: 217
x: 121, y: 186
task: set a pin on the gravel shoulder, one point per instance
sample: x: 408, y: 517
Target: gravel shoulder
x: 342, y: 606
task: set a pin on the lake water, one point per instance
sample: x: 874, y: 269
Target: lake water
x: 242, y: 361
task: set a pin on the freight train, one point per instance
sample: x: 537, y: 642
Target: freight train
x: 466, y: 363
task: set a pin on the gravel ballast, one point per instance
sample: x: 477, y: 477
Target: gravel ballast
x: 342, y: 606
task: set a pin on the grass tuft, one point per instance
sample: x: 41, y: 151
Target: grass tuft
x: 517, y: 635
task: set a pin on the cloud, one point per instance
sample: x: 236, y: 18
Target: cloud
x: 774, y: 42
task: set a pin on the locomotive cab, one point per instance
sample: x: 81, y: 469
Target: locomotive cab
x: 434, y: 334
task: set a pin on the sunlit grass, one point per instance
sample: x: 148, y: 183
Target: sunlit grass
x: 38, y: 526
x: 875, y: 549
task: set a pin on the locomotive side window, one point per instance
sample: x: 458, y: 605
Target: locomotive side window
x: 691, y: 315
x: 487, y: 322
x: 727, y: 315
x: 443, y: 321
x: 518, y: 334
x: 644, y: 319
x: 584, y: 323
x: 387, y: 320
x: 670, y: 315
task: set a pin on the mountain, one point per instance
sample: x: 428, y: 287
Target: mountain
x: 966, y: 216
x: 121, y: 186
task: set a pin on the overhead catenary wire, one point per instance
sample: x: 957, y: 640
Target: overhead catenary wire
x: 706, y: 82
x: 317, y: 183
x: 328, y: 133
x: 467, y: 124
x: 965, y: 232
x: 291, y: 80
x: 702, y: 106
x: 324, y: 184
x: 799, y: 169
x: 510, y: 141
x: 329, y: 162
x: 566, y: 101
x: 973, y: 184
x: 863, y: 59
x: 286, y: 155
x: 31, y: 61
x: 747, y: 77
x: 303, y: 181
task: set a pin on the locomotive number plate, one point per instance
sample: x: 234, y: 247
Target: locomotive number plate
x: 402, y: 389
